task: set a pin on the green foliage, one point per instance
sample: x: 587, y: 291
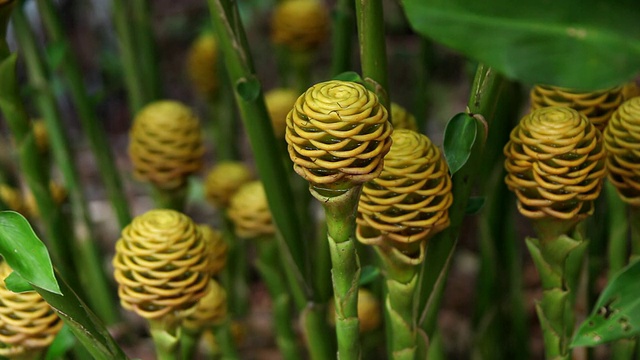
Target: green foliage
x: 616, y: 315
x: 63, y: 342
x: 368, y: 274
x: 582, y: 44
x: 459, y: 136
x: 25, y: 253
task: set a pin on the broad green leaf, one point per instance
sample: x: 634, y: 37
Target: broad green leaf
x: 459, y: 137
x: 349, y: 76
x: 17, y: 283
x: 25, y: 253
x: 581, y: 44
x: 368, y: 274
x: 248, y: 88
x: 616, y: 314
x: 63, y: 342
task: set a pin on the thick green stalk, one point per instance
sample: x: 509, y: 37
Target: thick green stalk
x: 312, y: 319
x: 401, y: 273
x: 97, y: 137
x: 617, y: 230
x: 373, y: 54
x: 235, y: 274
x: 424, y: 65
x: 484, y: 97
x: 189, y: 343
x: 248, y: 94
x: 91, y: 275
x: 270, y: 269
x: 174, y: 199
x: 342, y: 36
x: 559, y: 259
x: 221, y: 122
x: 130, y: 67
x: 340, y: 209
x: 166, y: 336
x: 147, y: 53
x: 226, y: 341
x: 634, y: 228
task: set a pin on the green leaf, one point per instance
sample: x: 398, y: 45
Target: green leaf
x: 368, y: 274
x: 459, y: 136
x: 17, y: 283
x: 63, y: 342
x: 248, y: 88
x: 349, y: 76
x: 474, y: 204
x: 570, y: 43
x: 616, y: 314
x: 25, y: 253
x: 56, y: 53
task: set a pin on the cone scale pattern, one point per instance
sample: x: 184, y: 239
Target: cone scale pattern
x: 209, y: 311
x: 27, y: 322
x: 250, y: 212
x: 161, y: 264
x: 402, y: 119
x: 622, y: 141
x: 409, y: 201
x: 224, y: 180
x: 597, y: 106
x: 217, y: 246
x: 300, y: 25
x: 165, y: 144
x: 338, y: 132
x: 279, y: 102
x: 555, y: 164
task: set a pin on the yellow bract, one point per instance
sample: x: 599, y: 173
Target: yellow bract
x: 224, y: 180
x: 217, y: 246
x: 300, y: 25
x: 250, y: 212
x: 209, y: 311
x: 279, y: 102
x: 555, y: 164
x: 402, y: 119
x: 202, y: 61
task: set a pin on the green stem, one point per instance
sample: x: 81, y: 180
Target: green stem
x: 373, y: 54
x: 189, y: 343
x: 301, y: 64
x: 559, y: 259
x: 424, y: 65
x: 342, y: 36
x: 95, y: 133
x: 340, y: 210
x: 166, y: 336
x: 222, y: 124
x: 130, y: 67
x: 634, y: 228
x: 484, y: 97
x: 401, y: 273
x: 170, y: 199
x: 248, y: 95
x: 235, y: 278
x: 268, y: 265
x: 617, y: 230
x: 145, y: 43
x: 93, y: 277
x: 313, y: 321
x: 226, y: 341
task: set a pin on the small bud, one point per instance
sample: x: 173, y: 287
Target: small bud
x: 209, y: 310
x: 250, y: 212
x: 402, y: 119
x: 300, y: 25
x: 202, y: 64
x: 279, y: 102
x: 217, y: 246
x: 224, y: 180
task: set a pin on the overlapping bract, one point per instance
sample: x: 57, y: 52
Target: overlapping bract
x: 209, y: 311
x: 402, y: 119
x: 410, y: 199
x: 622, y: 141
x: 369, y: 311
x: 165, y: 144
x: 224, y: 180
x: 202, y: 60
x: 555, y: 164
x: 338, y: 131
x: 161, y: 264
x: 279, y: 102
x: 597, y: 106
x: 218, y: 248
x: 27, y: 322
x: 250, y: 212
x: 300, y: 25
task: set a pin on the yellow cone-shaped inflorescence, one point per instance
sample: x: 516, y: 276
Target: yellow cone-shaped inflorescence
x: 224, y: 180
x: 27, y: 322
x: 409, y: 202
x: 622, y: 141
x: 300, y: 25
x: 555, y: 164
x: 217, y: 246
x: 369, y: 311
x: 165, y: 144
x: 279, y: 102
x: 402, y: 119
x: 202, y: 61
x: 249, y: 211
x: 338, y: 132
x: 630, y: 90
x: 209, y: 311
x: 597, y: 106
x: 161, y: 264
x: 41, y: 135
